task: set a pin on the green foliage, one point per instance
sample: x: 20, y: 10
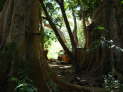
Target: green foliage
x: 88, y: 7
x: 121, y: 1
x: 70, y: 4
x: 49, y: 36
x: 55, y: 12
x: 23, y: 85
x: 110, y: 83
x: 53, y: 9
x: 23, y: 82
x: 100, y: 28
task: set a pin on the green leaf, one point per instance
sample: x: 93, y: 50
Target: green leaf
x: 100, y: 28
x: 121, y: 1
x: 13, y: 79
x: 22, y: 85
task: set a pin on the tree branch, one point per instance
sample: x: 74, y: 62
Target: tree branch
x: 75, y: 27
x: 55, y: 29
x: 68, y: 26
x: 59, y: 31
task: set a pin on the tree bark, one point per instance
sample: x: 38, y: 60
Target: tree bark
x: 19, y: 27
x: 98, y: 60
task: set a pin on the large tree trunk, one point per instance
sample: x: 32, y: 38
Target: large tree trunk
x: 99, y: 58
x: 20, y: 41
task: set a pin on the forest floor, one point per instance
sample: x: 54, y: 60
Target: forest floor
x: 65, y: 71
x: 62, y: 69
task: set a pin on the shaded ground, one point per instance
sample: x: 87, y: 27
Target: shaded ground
x: 62, y: 69
x: 65, y: 71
